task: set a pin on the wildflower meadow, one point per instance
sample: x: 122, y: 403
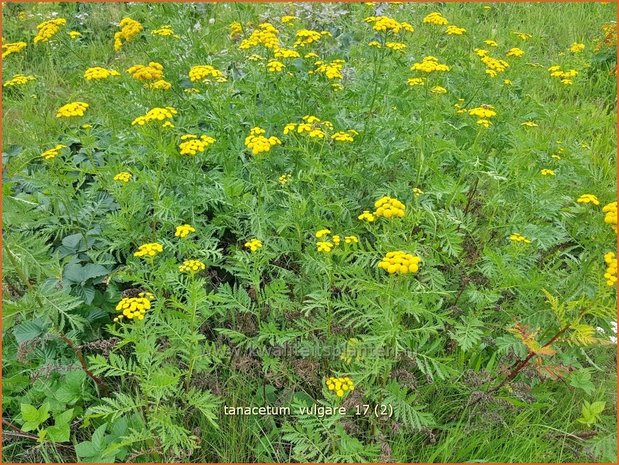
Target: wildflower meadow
x: 309, y: 232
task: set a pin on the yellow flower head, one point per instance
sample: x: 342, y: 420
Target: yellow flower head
x: 436, y: 19
x: 206, y: 73
x: 548, y: 172
x: 72, y: 109
x: 351, y: 240
x: 367, y: 216
x: 52, y: 153
x: 184, y: 230
x: 344, y: 136
x: 123, y: 176
x: 340, y: 385
x: 400, y: 262
x: 12, y: 47
x: 331, y: 69
x: 274, y: 66
x: 236, y: 29
x: 149, y: 249
x: 517, y: 237
x: 324, y: 246
x: 483, y: 112
x: 284, y: 179
x: 429, y: 64
x: 97, y: 73
x: 387, y: 24
x: 192, y: 144
x: 134, y: 307
x: 388, y: 207
x: 48, y: 29
x: 416, y: 81
x: 151, y: 72
x: 165, y: 31
x: 610, y: 216
x: 19, y: 80
x: 576, y: 47
x: 74, y: 34
x: 322, y: 233
x: 438, y: 90
x: 258, y: 143
x: 515, y: 52
x: 253, y: 245
x: 129, y: 28
x: 191, y: 266
x: 155, y: 114
x: 454, y: 31
x: 611, y: 268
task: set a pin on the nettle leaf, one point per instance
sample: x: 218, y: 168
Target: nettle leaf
x: 61, y: 431
x: 33, y: 417
x: 591, y: 412
x: 581, y: 379
x: 31, y: 329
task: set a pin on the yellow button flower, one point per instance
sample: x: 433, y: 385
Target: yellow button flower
x: 253, y: 245
x: 400, y: 262
x: 184, y: 230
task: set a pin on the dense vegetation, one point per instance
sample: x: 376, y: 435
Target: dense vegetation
x: 405, y: 210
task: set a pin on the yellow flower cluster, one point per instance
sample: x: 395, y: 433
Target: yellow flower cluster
x: 306, y: 37
x: 515, y: 52
x: 97, y: 72
x: 330, y: 69
x: 151, y: 72
x: 129, y: 28
x: 265, y: 34
x: 287, y: 19
x: 340, y: 385
x: 400, y: 262
x: 236, y: 29
x: 258, y: 143
x: 184, y: 230
x: 483, y: 113
x: 284, y: 179
x: 529, y: 124
x: 564, y: 76
x: 327, y: 244
x: 517, y: 237
x: 123, y: 176
x: 192, y: 144
x: 611, y: 268
x: 576, y: 47
x: 396, y: 46
x: 436, y: 19
x: 72, y: 109
x: 611, y: 214
x: 491, y: 43
x: 345, y: 136
x: 274, y: 66
x: 367, y: 216
x: 161, y: 84
x: 588, y: 198
x: 438, y: 90
x: 416, y: 81
x: 417, y: 191
x: 48, y: 29
x: 389, y: 207
x: 454, y: 31
x: 74, y: 34
x: 19, y: 80
x: 253, y: 245
x: 522, y: 35
x: 149, y: 249
x: 494, y: 66
x: 429, y: 64
x: 286, y: 53
x: 548, y: 172
x: 206, y: 73
x: 52, y: 153
x: 155, y: 114
x: 134, y: 307
x: 12, y: 47
x: 311, y: 126
x: 165, y: 31
x: 387, y: 24
x: 191, y: 266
